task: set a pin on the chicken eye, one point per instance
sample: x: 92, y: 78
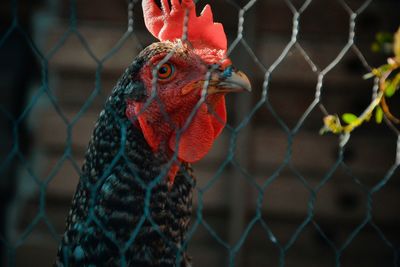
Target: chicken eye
x: 166, y: 71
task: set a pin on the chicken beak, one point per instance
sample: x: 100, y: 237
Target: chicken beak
x: 229, y: 81
x: 226, y: 81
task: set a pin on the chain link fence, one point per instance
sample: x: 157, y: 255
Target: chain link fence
x: 272, y: 192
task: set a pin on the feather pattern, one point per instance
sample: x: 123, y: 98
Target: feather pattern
x: 108, y: 222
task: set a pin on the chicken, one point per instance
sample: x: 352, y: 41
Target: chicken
x: 132, y: 205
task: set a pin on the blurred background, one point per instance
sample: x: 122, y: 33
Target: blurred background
x: 286, y: 198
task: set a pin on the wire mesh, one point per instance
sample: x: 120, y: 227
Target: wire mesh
x: 232, y: 247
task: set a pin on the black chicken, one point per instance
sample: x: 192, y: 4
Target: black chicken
x: 133, y: 203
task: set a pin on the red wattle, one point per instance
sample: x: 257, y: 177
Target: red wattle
x: 197, y: 139
x: 195, y: 142
x: 219, y: 118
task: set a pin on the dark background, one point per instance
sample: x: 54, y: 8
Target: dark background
x: 60, y: 59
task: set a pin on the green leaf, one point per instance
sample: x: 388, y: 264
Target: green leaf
x: 349, y: 118
x: 385, y: 68
x: 384, y: 37
x: 390, y: 89
x: 391, y: 86
x: 396, y: 45
x: 381, y: 70
x: 383, y: 43
x: 378, y: 115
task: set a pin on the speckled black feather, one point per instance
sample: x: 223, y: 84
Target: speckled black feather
x: 107, y: 225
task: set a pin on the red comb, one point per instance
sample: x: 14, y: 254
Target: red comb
x: 167, y: 23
